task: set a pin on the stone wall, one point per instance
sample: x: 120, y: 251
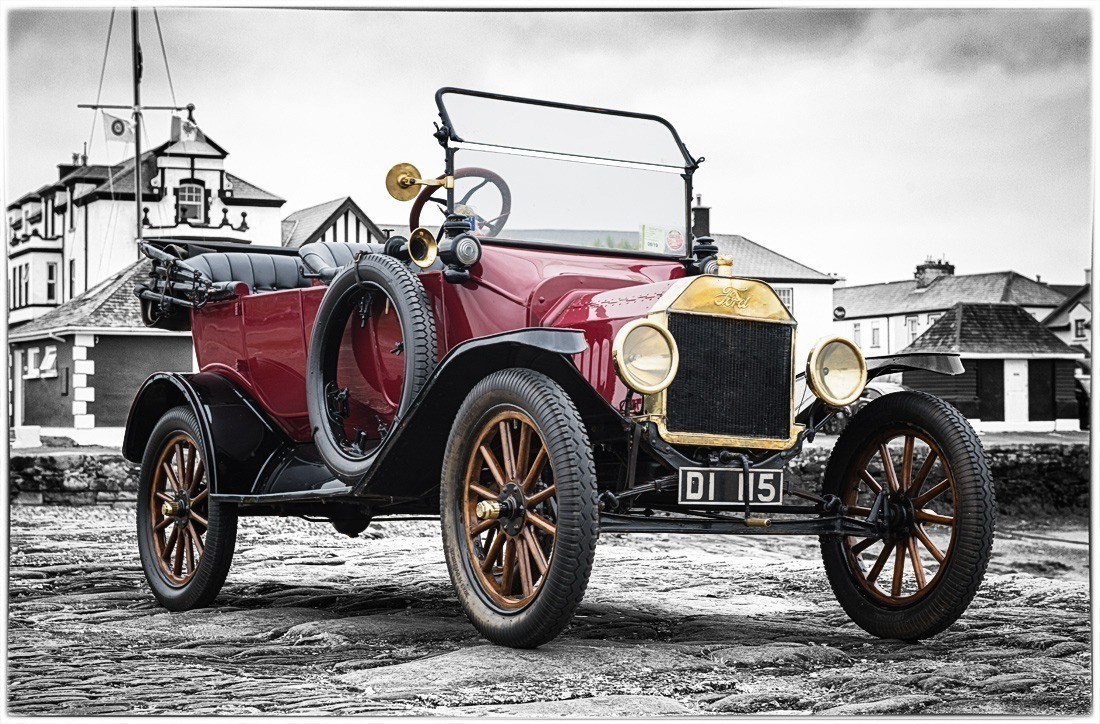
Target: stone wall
x: 72, y: 478
x: 1042, y: 477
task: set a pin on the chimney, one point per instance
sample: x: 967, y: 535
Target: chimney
x: 700, y: 215
x: 1088, y: 276
x: 930, y: 271
x: 76, y: 158
x: 84, y: 156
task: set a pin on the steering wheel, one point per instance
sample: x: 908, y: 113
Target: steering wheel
x: 485, y: 227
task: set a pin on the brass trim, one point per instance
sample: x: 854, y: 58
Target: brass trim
x: 422, y: 247
x: 620, y: 367
x: 488, y: 510
x: 403, y: 178
x: 818, y: 387
x: 752, y: 299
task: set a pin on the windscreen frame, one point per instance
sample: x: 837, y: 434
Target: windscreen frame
x: 446, y: 134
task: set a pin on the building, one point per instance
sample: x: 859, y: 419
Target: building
x: 75, y: 369
x: 886, y: 318
x: 68, y: 236
x: 1018, y: 374
x: 78, y: 347
x: 336, y: 220
x: 1071, y: 320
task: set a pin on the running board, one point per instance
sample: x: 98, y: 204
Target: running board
x: 325, y: 492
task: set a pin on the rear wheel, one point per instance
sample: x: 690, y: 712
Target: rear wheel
x: 185, y: 539
x: 915, y: 461
x: 518, y: 508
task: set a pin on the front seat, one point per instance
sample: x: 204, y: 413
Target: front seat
x: 326, y: 258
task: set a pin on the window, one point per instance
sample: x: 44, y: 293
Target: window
x: 32, y: 363
x: 72, y: 278
x: 856, y: 336
x: 51, y: 281
x: 190, y: 200
x: 786, y: 295
x: 1079, y: 329
x: 26, y: 284
x: 933, y: 317
x: 875, y: 341
x: 48, y: 368
x: 911, y: 328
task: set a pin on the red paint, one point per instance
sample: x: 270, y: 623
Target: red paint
x: 260, y: 340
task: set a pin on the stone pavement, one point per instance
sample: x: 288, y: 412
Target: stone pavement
x: 312, y: 622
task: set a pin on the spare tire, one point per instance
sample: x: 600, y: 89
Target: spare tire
x: 354, y: 291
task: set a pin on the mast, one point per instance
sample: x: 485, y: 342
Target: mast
x: 136, y: 53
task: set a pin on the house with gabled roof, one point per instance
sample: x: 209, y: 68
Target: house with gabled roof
x: 67, y: 236
x: 1018, y: 374
x: 74, y: 369
x: 885, y: 318
x: 1071, y: 320
x: 337, y: 220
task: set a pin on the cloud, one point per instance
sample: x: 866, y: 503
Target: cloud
x: 1014, y: 41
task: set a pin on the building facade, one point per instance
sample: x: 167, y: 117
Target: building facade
x: 78, y: 348
x: 886, y: 318
x: 68, y: 236
x: 1018, y: 375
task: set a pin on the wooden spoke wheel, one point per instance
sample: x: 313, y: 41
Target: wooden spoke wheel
x: 185, y: 538
x: 510, y: 509
x: 910, y: 463
x: 904, y: 469
x: 518, y: 508
x: 178, y: 506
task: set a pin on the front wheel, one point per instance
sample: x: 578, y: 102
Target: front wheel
x: 518, y: 508
x: 913, y: 463
x: 185, y: 539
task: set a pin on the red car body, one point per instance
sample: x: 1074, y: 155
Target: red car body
x: 259, y: 341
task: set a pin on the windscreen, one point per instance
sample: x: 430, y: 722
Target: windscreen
x: 564, y: 176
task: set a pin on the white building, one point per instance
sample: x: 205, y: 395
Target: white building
x: 66, y: 237
x: 886, y: 318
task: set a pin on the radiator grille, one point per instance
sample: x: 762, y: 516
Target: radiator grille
x: 734, y: 377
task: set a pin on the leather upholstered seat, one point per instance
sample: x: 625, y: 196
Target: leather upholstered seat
x: 326, y: 258
x: 261, y: 272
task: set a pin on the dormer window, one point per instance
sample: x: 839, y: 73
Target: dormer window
x: 190, y: 203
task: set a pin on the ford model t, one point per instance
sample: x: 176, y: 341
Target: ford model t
x: 546, y: 355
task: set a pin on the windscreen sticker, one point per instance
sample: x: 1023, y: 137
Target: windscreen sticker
x: 661, y: 240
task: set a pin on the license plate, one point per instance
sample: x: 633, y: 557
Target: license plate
x: 727, y: 486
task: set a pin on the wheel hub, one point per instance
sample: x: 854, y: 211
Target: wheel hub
x: 513, y: 509
x: 902, y: 513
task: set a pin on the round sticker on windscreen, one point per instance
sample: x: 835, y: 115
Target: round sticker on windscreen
x: 674, y: 240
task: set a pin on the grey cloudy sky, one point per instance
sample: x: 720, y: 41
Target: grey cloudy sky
x: 857, y: 142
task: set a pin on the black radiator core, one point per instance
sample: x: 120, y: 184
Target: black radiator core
x: 734, y: 377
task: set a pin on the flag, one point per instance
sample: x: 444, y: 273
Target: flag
x: 118, y: 129
x: 184, y: 129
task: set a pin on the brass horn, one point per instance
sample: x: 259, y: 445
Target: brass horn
x: 422, y: 248
x: 402, y: 180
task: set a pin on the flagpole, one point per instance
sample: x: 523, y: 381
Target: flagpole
x: 136, y: 53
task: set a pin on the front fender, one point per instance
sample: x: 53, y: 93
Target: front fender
x: 409, y: 462
x: 241, y: 445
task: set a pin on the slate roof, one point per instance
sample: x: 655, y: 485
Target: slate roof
x: 302, y: 223
x: 247, y: 191
x: 306, y: 225
x: 880, y: 300
x: 750, y: 259
x: 990, y: 329
x: 111, y: 304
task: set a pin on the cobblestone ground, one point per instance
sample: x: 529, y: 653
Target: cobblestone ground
x: 312, y: 622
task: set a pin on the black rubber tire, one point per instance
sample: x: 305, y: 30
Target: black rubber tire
x: 570, y: 457
x: 221, y: 535
x: 414, y: 311
x: 975, y: 517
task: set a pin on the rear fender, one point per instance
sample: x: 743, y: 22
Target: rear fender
x: 410, y: 460
x: 241, y: 445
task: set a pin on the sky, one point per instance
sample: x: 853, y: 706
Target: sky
x: 858, y: 142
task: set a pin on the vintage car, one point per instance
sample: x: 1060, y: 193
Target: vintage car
x: 547, y: 355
